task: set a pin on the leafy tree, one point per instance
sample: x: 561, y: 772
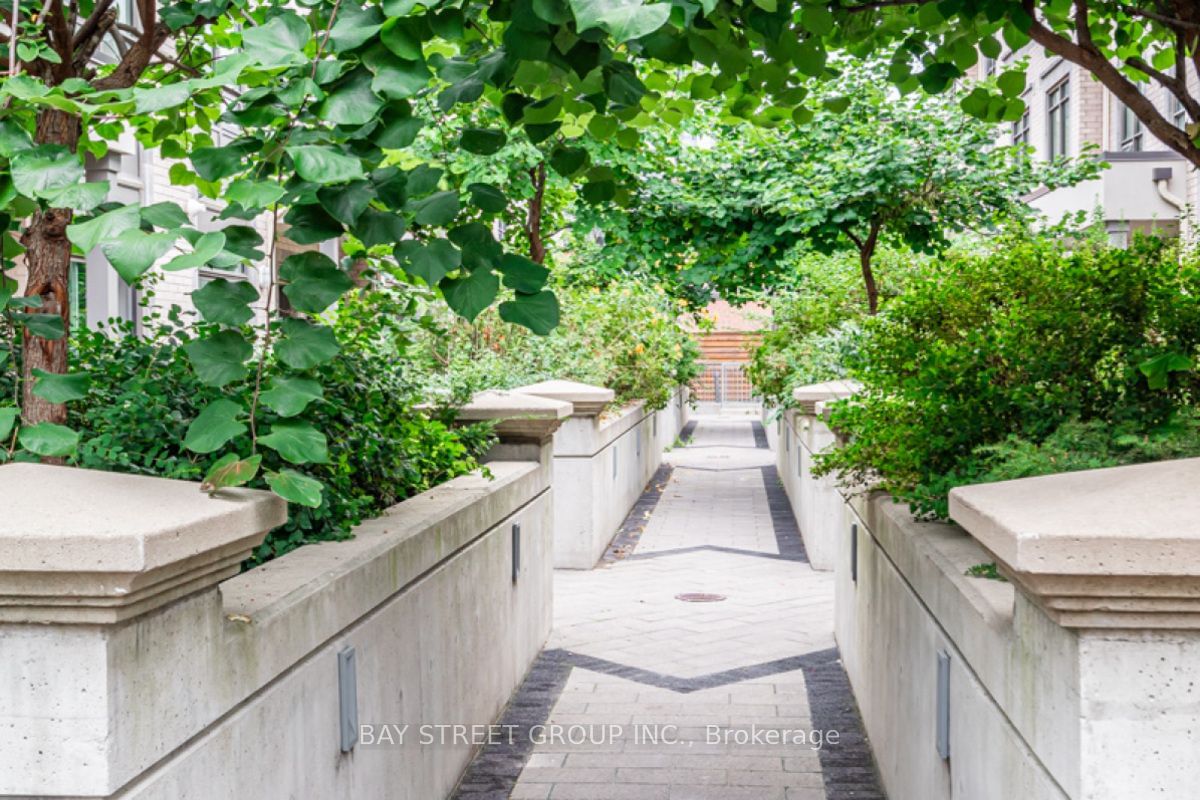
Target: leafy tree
x: 731, y: 204
x: 319, y: 100
x: 1125, y: 45
x: 318, y: 106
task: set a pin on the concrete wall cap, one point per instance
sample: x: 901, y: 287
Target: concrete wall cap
x: 520, y: 417
x: 808, y: 396
x: 588, y: 400
x: 82, y: 545
x: 1077, y: 541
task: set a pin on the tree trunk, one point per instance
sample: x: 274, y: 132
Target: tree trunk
x: 48, y: 264
x: 533, y: 219
x: 865, y: 253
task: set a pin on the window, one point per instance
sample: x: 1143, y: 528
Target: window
x: 1131, y: 131
x: 1178, y: 113
x: 77, y: 280
x: 1020, y: 130
x: 1058, y: 112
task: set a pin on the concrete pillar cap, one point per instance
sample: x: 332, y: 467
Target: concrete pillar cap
x: 587, y: 400
x: 1103, y: 548
x: 808, y: 396
x: 84, y: 546
x: 521, y: 417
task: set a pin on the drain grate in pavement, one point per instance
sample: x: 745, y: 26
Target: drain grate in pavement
x: 700, y: 597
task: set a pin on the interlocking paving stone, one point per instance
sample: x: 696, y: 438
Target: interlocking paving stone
x: 674, y: 700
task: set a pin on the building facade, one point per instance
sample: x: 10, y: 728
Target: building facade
x: 1147, y: 186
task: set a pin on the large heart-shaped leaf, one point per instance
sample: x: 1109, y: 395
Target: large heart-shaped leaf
x: 403, y: 37
x: 438, y: 209
x: 90, y: 233
x: 225, y: 302
x: 219, y: 358
x: 280, y: 42
x: 8, y: 418
x: 522, y: 274
x: 48, y: 439
x: 216, y: 163
x: 45, y: 326
x: 134, y: 251
x: 482, y: 141
x: 314, y: 282
x: 470, y: 295
x: 13, y: 138
x: 295, y: 488
x: 55, y: 388
x: 399, y: 79
x: 78, y: 196
x: 161, y: 97
x: 46, y: 168
x: 166, y: 215
x: 324, y: 164
x: 1158, y: 369
x: 379, y: 227
x: 346, y: 202
x: 487, y: 198
x: 622, y: 19
x: 217, y: 424
x: 310, y: 224
x: 430, y: 261
x: 352, y: 102
x: 205, y: 249
x: 297, y: 442
x: 304, y: 345
x: 354, y: 26
x: 288, y: 397
x: 538, y: 312
x: 250, y: 194
x: 230, y: 470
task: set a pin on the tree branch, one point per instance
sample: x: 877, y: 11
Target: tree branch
x: 1171, y: 22
x: 1176, y: 86
x: 85, y: 48
x: 89, y: 26
x: 1110, y: 76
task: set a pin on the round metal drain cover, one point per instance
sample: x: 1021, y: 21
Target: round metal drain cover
x: 700, y: 597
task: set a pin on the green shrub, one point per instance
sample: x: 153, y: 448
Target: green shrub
x: 1077, y: 445
x: 624, y: 336
x: 815, y: 321
x: 1019, y: 342
x: 144, y: 394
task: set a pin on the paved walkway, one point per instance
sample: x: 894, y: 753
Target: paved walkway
x: 643, y: 696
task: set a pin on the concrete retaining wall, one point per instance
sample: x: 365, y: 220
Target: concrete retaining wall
x: 601, y: 466
x: 816, y: 502
x: 233, y: 691
x: 903, y: 597
x: 1081, y: 682
x: 1077, y: 680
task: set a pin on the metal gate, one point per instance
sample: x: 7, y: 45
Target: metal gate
x: 724, y: 383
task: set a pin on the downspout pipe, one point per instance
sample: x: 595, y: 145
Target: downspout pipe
x: 1162, y: 181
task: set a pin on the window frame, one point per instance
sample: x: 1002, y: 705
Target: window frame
x: 1021, y: 131
x: 1131, y: 133
x: 1058, y: 118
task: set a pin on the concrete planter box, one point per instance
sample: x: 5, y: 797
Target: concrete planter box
x: 603, y: 460
x: 230, y: 688
x: 801, y: 434
x: 1075, y: 680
